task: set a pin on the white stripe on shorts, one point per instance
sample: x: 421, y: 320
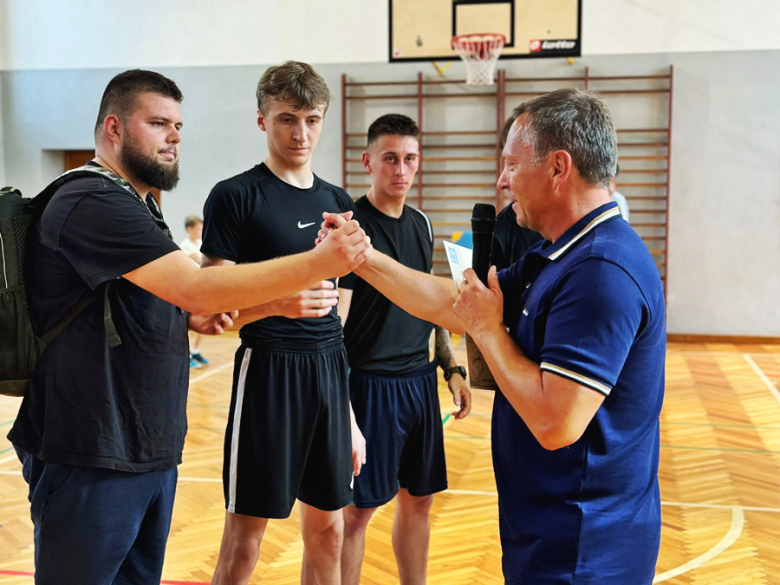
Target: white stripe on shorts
x: 236, y: 430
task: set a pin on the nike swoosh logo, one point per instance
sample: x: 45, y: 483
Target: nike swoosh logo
x: 304, y: 225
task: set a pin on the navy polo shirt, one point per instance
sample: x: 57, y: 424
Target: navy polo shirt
x: 589, y: 308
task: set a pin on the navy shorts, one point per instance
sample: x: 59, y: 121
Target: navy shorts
x: 98, y: 526
x: 400, y: 418
x: 288, y: 435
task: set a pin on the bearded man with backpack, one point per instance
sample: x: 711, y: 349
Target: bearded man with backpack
x: 101, y: 428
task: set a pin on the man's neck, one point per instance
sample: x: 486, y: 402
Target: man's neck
x: 579, y: 206
x: 390, y: 206
x: 112, y: 165
x: 300, y: 177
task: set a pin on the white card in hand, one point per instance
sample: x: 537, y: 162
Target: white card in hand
x: 459, y: 259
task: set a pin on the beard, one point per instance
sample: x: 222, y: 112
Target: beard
x: 146, y: 169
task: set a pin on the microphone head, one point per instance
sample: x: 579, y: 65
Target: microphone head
x: 483, y: 218
x: 484, y: 211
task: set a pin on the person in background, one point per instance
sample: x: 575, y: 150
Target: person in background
x: 393, y: 384
x: 618, y: 197
x: 191, y: 246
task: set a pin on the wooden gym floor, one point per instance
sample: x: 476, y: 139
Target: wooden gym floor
x: 719, y: 473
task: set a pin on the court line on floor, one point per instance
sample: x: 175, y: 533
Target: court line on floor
x: 675, y: 447
x: 763, y: 377
x: 211, y: 372
x: 10, y: 457
x: 678, y: 504
x: 495, y: 494
x: 734, y: 532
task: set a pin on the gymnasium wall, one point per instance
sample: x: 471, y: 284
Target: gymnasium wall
x: 2, y: 142
x: 724, y: 267
x: 3, y: 33
x: 83, y: 34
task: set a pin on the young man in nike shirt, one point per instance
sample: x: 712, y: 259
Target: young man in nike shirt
x: 393, y: 384
x: 288, y: 433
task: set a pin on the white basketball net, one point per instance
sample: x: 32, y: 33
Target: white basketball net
x: 479, y: 52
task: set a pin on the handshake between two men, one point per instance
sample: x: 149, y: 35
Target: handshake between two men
x: 474, y: 307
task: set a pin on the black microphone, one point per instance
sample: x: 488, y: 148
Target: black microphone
x: 483, y: 224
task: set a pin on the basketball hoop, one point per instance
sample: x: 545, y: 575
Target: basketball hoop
x: 479, y: 52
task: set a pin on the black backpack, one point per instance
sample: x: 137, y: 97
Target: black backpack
x: 20, y: 347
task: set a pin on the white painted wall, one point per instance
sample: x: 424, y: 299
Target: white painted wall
x: 3, y: 41
x: 614, y: 27
x: 3, y: 33
x: 83, y: 34
x: 724, y: 266
x: 89, y: 34
x: 2, y: 140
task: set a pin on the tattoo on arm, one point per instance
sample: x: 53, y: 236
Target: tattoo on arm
x: 444, y: 354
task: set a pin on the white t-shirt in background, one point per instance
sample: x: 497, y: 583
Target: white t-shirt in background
x: 190, y: 247
x: 618, y: 198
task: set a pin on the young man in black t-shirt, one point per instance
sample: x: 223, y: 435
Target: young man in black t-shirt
x: 393, y: 384
x: 101, y: 429
x: 288, y: 433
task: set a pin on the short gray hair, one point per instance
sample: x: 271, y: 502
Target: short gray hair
x: 575, y: 121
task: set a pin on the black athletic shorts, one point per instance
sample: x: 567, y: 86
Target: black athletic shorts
x: 401, y: 421
x: 288, y: 434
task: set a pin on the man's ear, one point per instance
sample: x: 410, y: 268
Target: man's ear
x: 113, y: 129
x: 562, y: 167
x: 261, y: 121
x: 367, y: 162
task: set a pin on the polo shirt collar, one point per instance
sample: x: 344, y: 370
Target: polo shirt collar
x: 579, y: 230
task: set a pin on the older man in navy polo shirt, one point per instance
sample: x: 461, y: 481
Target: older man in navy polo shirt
x: 574, y: 334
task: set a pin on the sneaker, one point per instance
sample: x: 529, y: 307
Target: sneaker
x: 198, y: 357
x: 194, y: 364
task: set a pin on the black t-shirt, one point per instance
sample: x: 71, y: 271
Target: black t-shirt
x: 510, y: 241
x: 89, y: 404
x: 381, y: 337
x: 255, y: 216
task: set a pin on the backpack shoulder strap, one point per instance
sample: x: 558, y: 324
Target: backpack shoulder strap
x: 49, y: 336
x: 40, y: 202
x: 42, y: 199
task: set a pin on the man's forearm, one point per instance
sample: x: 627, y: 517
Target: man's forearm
x: 250, y: 285
x: 519, y: 378
x: 423, y: 295
x: 556, y: 410
x: 445, y: 357
x: 176, y: 279
x: 253, y: 314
